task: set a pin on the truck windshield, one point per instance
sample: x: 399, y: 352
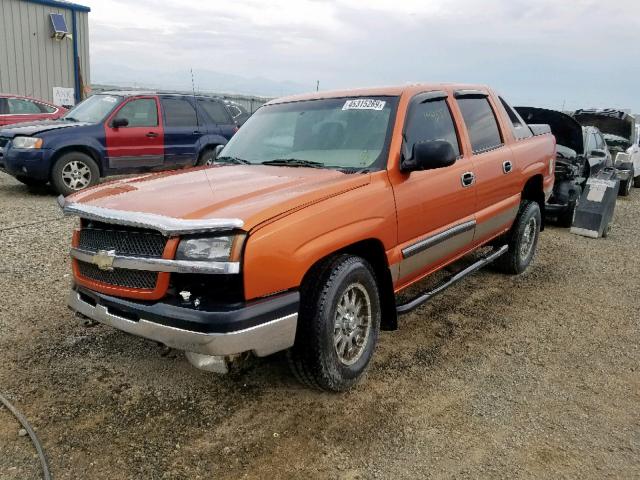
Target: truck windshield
x: 94, y: 109
x: 342, y: 133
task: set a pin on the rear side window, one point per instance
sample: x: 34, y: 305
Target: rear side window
x: 140, y: 113
x: 179, y: 112
x: 430, y: 120
x: 481, y: 123
x: 18, y: 106
x: 215, y: 111
x: 518, y: 126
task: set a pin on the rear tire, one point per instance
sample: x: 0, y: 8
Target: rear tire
x: 338, y: 325
x: 522, y: 240
x: 626, y: 186
x: 74, y: 171
x: 208, y: 157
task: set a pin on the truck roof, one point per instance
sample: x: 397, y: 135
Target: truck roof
x: 393, y: 91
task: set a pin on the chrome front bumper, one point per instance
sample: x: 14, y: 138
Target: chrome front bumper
x: 263, y: 339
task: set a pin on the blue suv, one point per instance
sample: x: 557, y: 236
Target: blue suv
x: 114, y: 133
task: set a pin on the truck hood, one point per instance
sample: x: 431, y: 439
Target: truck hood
x: 610, y: 122
x: 251, y: 193
x: 33, y: 128
x: 567, y: 130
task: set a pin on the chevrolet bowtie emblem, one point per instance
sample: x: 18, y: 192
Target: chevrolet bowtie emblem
x: 104, y: 259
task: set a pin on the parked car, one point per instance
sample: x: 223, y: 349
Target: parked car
x: 620, y: 133
x: 16, y: 109
x: 301, y: 244
x: 114, y: 133
x: 581, y: 154
x: 238, y: 112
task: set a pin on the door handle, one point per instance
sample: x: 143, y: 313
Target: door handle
x: 507, y: 166
x: 151, y: 135
x: 468, y: 179
x: 197, y: 132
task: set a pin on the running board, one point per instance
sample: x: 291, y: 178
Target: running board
x: 426, y: 296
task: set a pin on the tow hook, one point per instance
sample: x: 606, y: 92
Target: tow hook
x: 210, y: 363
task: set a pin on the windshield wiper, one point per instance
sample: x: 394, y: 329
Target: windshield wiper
x: 71, y: 119
x: 294, y: 162
x: 239, y: 161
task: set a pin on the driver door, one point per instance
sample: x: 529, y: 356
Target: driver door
x: 436, y: 208
x: 141, y: 142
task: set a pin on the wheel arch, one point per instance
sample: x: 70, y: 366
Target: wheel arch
x: 372, y: 250
x: 533, y: 190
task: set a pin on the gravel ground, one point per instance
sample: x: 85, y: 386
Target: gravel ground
x: 500, y: 377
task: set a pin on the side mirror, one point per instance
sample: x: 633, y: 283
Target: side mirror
x: 119, y: 122
x: 598, y: 153
x: 430, y: 155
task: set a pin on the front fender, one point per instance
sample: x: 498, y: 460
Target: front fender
x: 279, y: 254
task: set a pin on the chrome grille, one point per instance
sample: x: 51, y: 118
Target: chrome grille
x: 128, y: 242
x: 120, y: 277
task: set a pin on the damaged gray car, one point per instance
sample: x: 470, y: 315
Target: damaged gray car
x: 581, y: 153
x: 620, y: 134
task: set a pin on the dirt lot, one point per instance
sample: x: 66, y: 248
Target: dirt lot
x: 500, y: 377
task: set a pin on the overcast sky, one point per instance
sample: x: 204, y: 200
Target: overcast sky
x: 579, y: 53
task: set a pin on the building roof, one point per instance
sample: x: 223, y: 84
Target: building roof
x: 61, y: 4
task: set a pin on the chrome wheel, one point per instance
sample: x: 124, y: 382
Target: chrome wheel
x: 352, y: 324
x: 528, y: 238
x: 76, y: 175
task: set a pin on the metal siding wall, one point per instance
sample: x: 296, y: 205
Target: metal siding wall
x: 31, y: 62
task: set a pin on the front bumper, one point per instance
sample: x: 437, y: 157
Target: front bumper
x: 28, y: 163
x: 262, y: 327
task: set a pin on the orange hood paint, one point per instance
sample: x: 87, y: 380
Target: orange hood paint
x: 252, y: 193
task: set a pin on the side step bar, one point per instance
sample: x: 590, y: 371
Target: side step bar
x: 426, y: 296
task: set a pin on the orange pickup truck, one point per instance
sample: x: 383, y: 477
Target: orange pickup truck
x: 315, y: 215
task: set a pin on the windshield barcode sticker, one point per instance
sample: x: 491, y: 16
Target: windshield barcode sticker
x: 363, y: 104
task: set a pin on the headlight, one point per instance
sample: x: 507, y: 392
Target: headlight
x: 27, y: 142
x: 212, y: 249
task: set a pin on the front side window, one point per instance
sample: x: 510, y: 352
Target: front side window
x: 178, y: 112
x: 19, y: 106
x: 94, y: 109
x: 215, y: 111
x: 430, y: 120
x: 481, y: 123
x: 142, y: 112
x: 341, y: 133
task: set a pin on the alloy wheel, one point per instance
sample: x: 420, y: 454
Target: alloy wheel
x: 528, y: 238
x: 76, y: 175
x: 352, y: 324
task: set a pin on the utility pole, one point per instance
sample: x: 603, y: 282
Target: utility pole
x: 317, y: 85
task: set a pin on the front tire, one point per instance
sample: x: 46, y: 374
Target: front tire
x: 522, y: 240
x: 338, y: 325
x: 74, y: 171
x: 636, y: 182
